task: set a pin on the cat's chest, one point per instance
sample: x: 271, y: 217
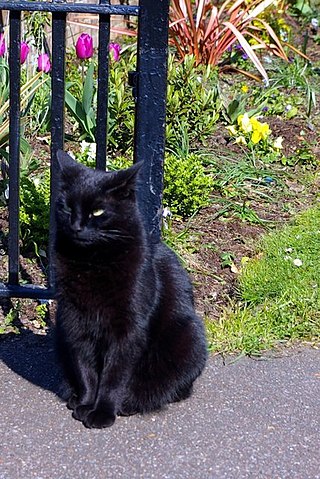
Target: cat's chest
x: 101, y: 289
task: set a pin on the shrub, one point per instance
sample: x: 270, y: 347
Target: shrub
x: 34, y: 210
x: 187, y: 187
x: 193, y: 101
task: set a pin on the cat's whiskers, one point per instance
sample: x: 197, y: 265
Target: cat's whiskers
x: 117, y: 235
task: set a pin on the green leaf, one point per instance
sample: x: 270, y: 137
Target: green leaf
x: 293, y: 112
x: 88, y: 90
x: 75, y: 108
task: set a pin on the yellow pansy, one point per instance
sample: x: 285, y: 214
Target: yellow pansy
x: 241, y: 140
x: 232, y: 130
x: 245, y: 123
x: 260, y: 131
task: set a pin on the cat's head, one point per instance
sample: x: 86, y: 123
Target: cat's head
x: 96, y: 208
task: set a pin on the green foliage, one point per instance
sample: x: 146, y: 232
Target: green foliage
x: 226, y: 259
x: 28, y: 91
x: 187, y: 187
x: 193, y: 101
x: 83, y: 110
x: 41, y: 311
x: 81, y: 101
x: 34, y: 209
x: 304, y: 9
x: 38, y: 116
x: 299, y: 82
x: 8, y: 324
x: 36, y: 24
x: 278, y: 291
x: 121, y: 105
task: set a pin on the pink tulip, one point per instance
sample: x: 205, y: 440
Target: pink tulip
x: 24, y: 51
x: 44, y: 64
x: 84, y: 46
x: 115, y: 48
x: 2, y: 45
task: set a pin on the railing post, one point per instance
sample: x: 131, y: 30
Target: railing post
x: 14, y: 146
x: 150, y: 92
x: 103, y: 80
x: 151, y: 108
x: 57, y: 120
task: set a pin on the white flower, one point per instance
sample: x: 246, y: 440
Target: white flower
x: 166, y: 212
x: 267, y: 59
x: 297, y: 262
x: 288, y: 250
x: 84, y: 145
x: 89, y: 148
x: 278, y: 143
x: 314, y: 23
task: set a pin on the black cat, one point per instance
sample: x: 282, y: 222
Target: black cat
x: 127, y: 333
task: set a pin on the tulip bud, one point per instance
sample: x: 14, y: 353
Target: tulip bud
x: 24, y: 51
x: 2, y: 45
x: 115, y: 48
x: 44, y: 64
x: 84, y: 46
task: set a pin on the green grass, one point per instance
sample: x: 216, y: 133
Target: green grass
x: 279, y: 296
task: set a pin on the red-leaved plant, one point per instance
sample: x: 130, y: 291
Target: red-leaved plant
x: 200, y: 28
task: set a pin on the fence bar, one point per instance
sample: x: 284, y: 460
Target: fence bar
x: 27, y: 291
x: 151, y: 98
x: 57, y: 119
x: 102, y: 99
x: 14, y: 146
x: 69, y: 7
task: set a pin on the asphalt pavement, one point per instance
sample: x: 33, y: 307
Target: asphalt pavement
x: 247, y: 418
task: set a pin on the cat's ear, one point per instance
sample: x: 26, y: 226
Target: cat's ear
x: 125, y: 181
x: 65, y: 161
x: 131, y: 174
x: 68, y: 167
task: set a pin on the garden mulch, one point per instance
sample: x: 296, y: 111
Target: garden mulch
x: 210, y: 234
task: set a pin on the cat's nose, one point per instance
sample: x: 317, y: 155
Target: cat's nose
x: 76, y: 226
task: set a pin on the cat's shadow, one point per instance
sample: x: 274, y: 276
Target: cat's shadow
x: 32, y: 357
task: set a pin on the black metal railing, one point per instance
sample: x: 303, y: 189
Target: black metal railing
x: 149, y: 86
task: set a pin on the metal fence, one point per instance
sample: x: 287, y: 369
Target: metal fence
x: 149, y: 89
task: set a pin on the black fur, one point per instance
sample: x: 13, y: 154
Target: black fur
x: 127, y: 333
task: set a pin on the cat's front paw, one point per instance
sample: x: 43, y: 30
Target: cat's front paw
x: 81, y: 412
x: 72, y: 402
x: 99, y: 419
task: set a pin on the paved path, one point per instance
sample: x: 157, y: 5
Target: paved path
x: 256, y: 419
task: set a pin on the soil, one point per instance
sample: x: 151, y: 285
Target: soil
x: 210, y: 237
x: 215, y: 241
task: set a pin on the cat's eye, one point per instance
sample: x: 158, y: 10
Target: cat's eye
x: 97, y: 212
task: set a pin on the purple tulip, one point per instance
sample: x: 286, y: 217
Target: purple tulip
x: 2, y: 45
x: 115, y: 48
x: 84, y: 46
x: 24, y: 51
x: 44, y: 64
